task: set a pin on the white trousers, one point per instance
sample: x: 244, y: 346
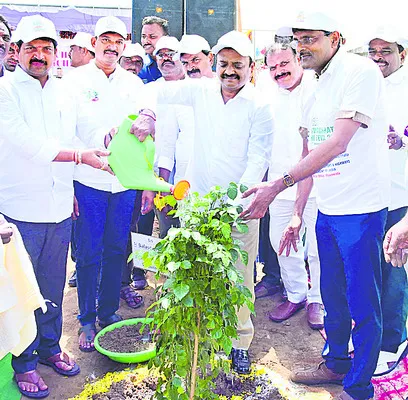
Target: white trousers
x: 293, y: 272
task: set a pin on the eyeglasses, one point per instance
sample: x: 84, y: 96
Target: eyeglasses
x: 133, y: 60
x: 282, y: 65
x: 307, y: 40
x: 173, y: 55
x: 383, y: 52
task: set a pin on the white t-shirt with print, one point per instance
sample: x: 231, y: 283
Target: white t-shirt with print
x: 358, y: 180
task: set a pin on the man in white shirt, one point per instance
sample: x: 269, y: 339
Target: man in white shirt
x: 5, y: 38
x: 106, y: 94
x: 133, y: 58
x: 174, y: 127
x: 232, y: 143
x: 37, y: 129
x: 386, y: 49
x: 81, y: 51
x: 347, y: 135
x: 196, y: 56
x: 295, y: 86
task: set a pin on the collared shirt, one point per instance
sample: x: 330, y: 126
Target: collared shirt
x: 150, y: 72
x: 232, y: 140
x: 174, y: 135
x: 103, y: 103
x: 287, y: 142
x: 35, y: 124
x: 397, y: 109
x: 358, y: 180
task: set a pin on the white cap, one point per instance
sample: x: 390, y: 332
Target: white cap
x: 237, y: 41
x: 315, y: 21
x: 193, y: 44
x: 388, y: 33
x: 167, y: 42
x: 83, y: 39
x: 110, y: 24
x: 133, y: 49
x: 34, y: 27
x: 284, y: 31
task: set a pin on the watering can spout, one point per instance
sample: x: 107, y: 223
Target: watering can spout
x: 132, y: 162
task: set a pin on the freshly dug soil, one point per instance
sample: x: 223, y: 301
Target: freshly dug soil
x: 249, y: 388
x: 128, y: 389
x: 127, y: 339
x: 258, y: 387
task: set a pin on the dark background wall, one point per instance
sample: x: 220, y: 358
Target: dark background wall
x: 208, y: 18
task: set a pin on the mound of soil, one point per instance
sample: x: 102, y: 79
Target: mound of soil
x: 127, y: 339
x: 129, y: 389
x: 251, y: 387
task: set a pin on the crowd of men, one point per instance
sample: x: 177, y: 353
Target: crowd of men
x: 320, y: 144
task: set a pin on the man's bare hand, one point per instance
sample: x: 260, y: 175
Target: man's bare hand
x: 96, y: 159
x: 6, y: 231
x: 75, y: 211
x: 290, y: 236
x: 264, y: 193
x: 147, y: 201
x: 110, y: 135
x: 395, y: 244
x: 143, y: 127
x: 394, y: 140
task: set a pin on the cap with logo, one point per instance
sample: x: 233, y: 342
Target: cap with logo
x: 167, y: 42
x: 193, y: 44
x: 83, y: 39
x: 315, y: 21
x: 110, y: 24
x: 237, y: 41
x: 34, y: 27
x: 388, y: 33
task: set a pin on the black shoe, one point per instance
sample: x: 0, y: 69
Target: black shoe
x: 240, y: 361
x: 72, y: 282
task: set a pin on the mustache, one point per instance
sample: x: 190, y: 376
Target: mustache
x: 233, y: 76
x: 380, y: 61
x: 193, y: 71
x: 168, y: 62
x: 111, y: 51
x: 304, y: 53
x: 38, y: 61
x: 282, y: 74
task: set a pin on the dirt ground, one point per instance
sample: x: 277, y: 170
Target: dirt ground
x: 280, y: 346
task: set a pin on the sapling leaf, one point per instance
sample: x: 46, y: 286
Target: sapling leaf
x: 243, y: 188
x: 242, y: 228
x: 181, y: 290
x: 232, y: 192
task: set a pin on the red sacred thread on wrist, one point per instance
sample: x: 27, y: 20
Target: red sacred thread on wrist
x: 148, y: 115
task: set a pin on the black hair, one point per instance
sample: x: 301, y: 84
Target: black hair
x: 159, y: 21
x: 4, y: 21
x: 54, y: 42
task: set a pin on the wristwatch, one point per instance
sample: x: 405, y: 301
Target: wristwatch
x: 288, y: 179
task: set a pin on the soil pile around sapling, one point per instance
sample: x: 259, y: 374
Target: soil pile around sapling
x: 127, y: 339
x: 130, y: 389
x: 251, y: 387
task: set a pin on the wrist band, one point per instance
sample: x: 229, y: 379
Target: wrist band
x: 79, y: 157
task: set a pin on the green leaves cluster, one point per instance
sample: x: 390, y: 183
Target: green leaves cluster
x: 198, y: 301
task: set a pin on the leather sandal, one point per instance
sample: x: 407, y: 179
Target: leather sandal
x: 90, y: 333
x: 32, y: 378
x: 132, y: 298
x: 61, y: 358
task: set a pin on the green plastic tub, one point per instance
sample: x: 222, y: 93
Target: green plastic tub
x: 126, y: 358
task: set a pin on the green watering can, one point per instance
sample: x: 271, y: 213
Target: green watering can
x: 132, y: 162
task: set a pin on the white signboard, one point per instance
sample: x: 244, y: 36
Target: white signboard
x: 142, y: 243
